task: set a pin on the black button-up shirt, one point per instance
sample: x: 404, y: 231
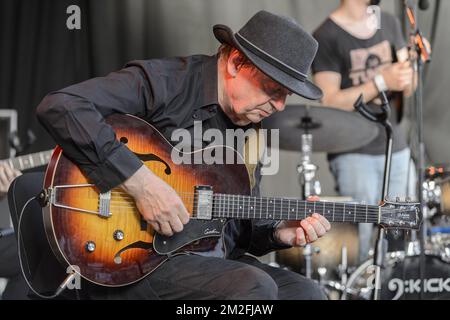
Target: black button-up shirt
x: 168, y: 93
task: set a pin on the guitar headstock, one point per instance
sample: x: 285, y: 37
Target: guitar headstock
x: 400, y: 215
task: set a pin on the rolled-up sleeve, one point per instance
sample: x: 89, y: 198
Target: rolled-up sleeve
x: 75, y: 118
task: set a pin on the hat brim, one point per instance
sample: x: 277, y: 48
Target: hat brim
x: 305, y: 88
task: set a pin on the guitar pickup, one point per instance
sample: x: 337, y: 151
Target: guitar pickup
x: 203, y: 202
x: 104, y: 204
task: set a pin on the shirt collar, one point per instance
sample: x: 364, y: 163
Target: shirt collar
x: 209, y: 82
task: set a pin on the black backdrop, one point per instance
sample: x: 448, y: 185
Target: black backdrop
x: 39, y: 54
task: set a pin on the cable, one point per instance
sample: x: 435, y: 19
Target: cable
x: 19, y: 240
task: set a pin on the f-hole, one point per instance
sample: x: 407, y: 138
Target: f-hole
x: 149, y: 157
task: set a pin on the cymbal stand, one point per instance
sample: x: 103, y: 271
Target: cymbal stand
x: 310, y: 186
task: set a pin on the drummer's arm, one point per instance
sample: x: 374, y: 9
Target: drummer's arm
x: 334, y: 96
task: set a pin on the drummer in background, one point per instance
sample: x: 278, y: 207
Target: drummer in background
x: 355, y: 58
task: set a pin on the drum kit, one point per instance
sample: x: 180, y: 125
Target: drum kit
x: 333, y: 259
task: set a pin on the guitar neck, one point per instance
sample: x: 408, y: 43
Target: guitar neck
x: 29, y: 161
x: 248, y: 207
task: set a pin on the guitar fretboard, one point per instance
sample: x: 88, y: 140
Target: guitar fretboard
x: 29, y: 161
x: 248, y: 207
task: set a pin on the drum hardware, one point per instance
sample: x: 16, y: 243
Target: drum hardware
x: 436, y: 190
x: 343, y: 266
x: 322, y: 271
x: 310, y: 186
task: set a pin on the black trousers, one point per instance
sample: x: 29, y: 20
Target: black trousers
x: 197, y: 277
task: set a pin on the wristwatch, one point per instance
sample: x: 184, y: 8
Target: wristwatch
x: 380, y: 83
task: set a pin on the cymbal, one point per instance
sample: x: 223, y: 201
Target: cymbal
x: 333, y: 130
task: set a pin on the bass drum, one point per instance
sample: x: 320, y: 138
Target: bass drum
x: 400, y: 279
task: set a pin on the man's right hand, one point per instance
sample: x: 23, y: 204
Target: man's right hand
x: 158, y: 202
x: 398, y: 76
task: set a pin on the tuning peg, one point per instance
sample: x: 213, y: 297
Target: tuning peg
x: 397, y: 199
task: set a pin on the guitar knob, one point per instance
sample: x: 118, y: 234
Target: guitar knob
x: 90, y: 246
x: 118, y: 235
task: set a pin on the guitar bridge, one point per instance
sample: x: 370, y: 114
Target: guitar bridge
x: 104, y: 200
x: 203, y: 201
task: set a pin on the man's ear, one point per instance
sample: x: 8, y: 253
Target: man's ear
x: 234, y: 63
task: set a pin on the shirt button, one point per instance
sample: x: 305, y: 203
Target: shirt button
x: 195, y: 116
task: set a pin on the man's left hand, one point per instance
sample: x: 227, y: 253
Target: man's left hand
x: 300, y: 233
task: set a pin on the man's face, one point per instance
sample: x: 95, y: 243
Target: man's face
x: 252, y: 96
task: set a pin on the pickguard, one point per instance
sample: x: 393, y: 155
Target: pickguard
x: 194, y: 230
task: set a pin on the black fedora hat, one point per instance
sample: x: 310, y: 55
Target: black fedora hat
x: 277, y: 46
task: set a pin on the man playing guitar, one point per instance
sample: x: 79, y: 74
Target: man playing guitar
x: 248, y: 80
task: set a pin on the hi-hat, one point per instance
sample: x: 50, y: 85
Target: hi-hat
x: 333, y: 130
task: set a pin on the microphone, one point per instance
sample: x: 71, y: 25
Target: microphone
x: 424, y: 4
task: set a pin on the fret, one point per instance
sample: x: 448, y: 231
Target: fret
x: 306, y: 202
x: 41, y: 157
x: 343, y: 216
x: 31, y: 160
x: 317, y: 209
x: 25, y: 162
x: 296, y: 211
x: 325, y: 204
x: 281, y: 207
x: 274, y: 202
x: 354, y: 214
x: 314, y: 209
x: 20, y: 163
x: 254, y: 209
x: 309, y: 211
x: 239, y: 208
x: 11, y: 164
x: 334, y: 205
x: 228, y: 207
x: 289, y: 208
x: 260, y: 208
x: 223, y: 205
x: 218, y: 205
x: 248, y: 209
x: 236, y: 203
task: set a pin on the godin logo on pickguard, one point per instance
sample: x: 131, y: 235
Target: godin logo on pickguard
x: 411, y: 286
x: 208, y: 232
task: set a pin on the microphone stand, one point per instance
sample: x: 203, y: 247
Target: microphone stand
x: 423, y: 56
x: 382, y: 118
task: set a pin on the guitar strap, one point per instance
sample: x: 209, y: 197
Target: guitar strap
x: 253, y: 152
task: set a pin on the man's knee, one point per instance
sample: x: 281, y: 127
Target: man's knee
x: 313, y: 290
x: 301, y: 288
x: 253, y: 283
